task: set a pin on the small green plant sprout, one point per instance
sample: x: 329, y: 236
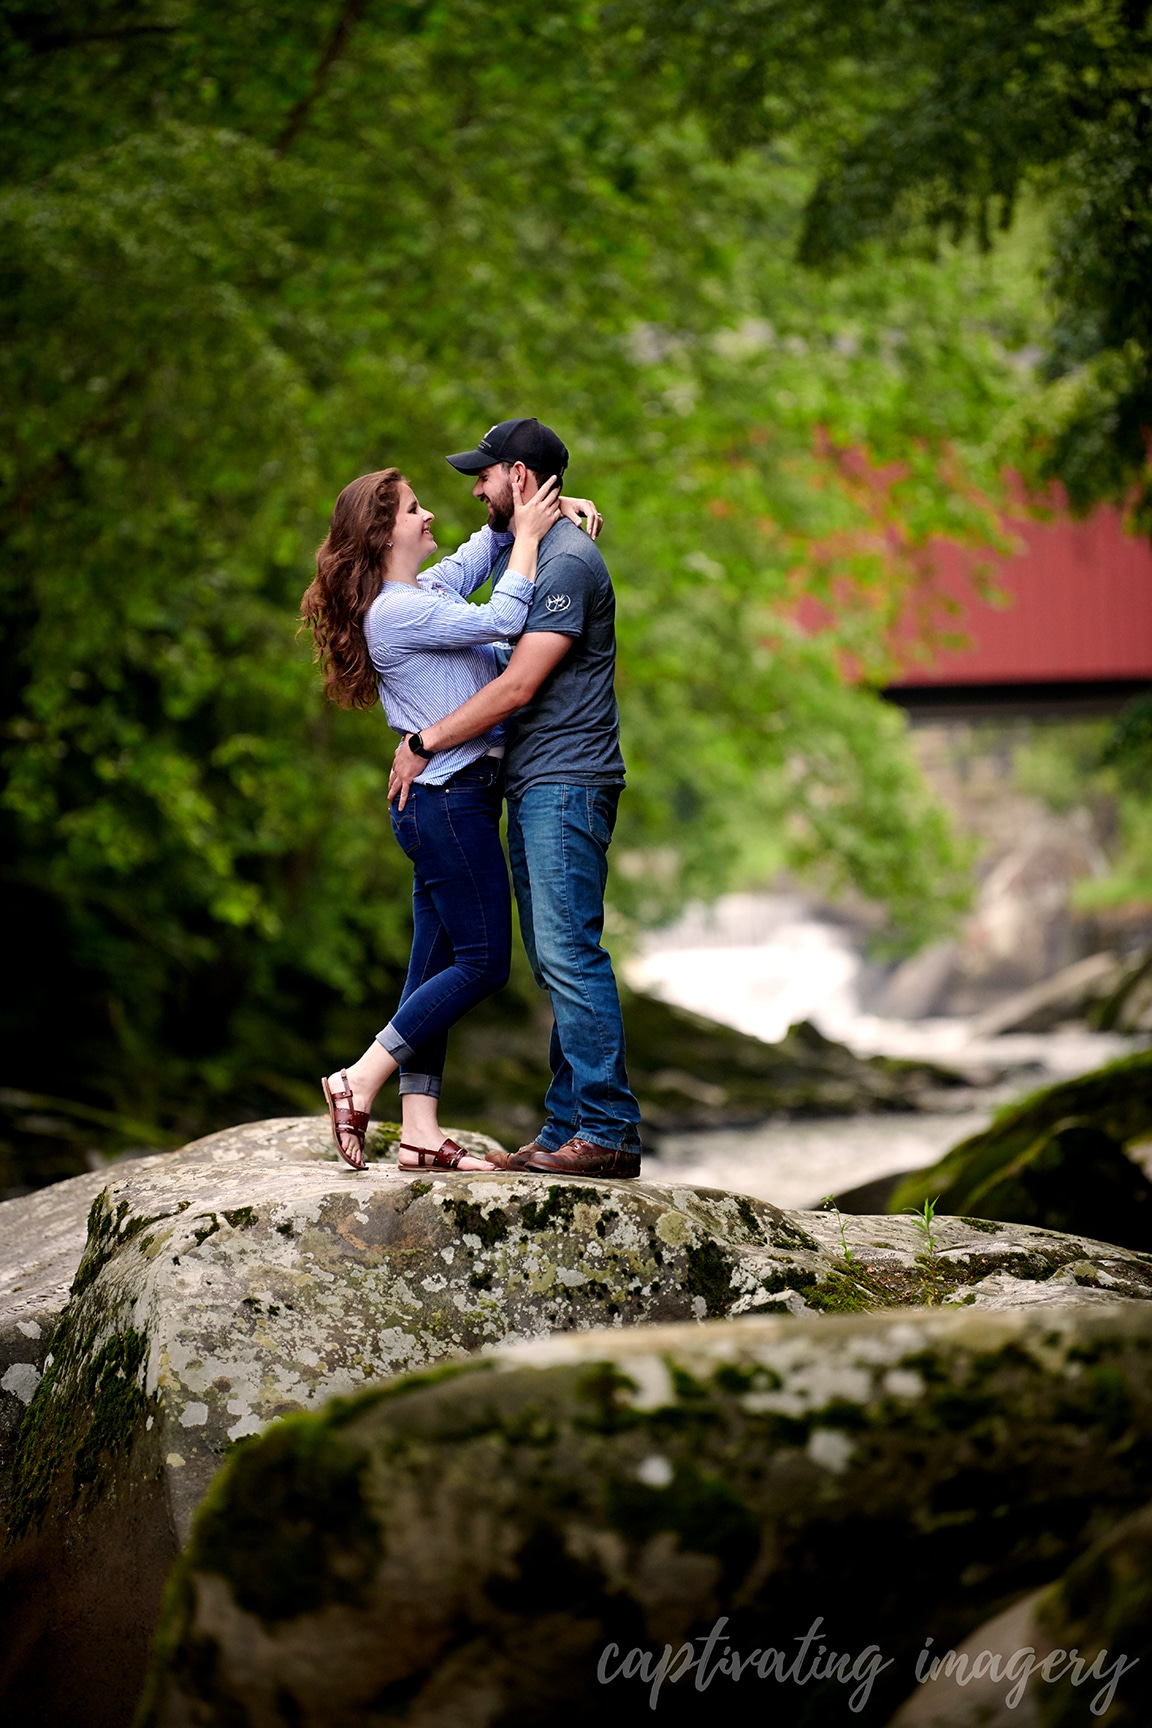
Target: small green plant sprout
x: 828, y: 1204
x: 923, y: 1221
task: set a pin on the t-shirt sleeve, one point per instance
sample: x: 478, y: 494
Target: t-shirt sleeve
x: 565, y: 593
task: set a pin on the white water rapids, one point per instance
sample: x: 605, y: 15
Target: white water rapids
x: 762, y: 962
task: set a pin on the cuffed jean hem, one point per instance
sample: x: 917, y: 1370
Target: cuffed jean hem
x: 550, y: 1139
x: 593, y: 1139
x: 428, y: 1085
x: 391, y: 1041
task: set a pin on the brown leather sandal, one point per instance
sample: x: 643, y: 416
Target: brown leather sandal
x: 346, y: 1120
x: 446, y: 1157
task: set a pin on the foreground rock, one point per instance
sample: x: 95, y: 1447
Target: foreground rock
x: 42, y: 1237
x: 476, y: 1549
x: 1061, y: 1657
x: 251, y: 1277
x: 1057, y: 1160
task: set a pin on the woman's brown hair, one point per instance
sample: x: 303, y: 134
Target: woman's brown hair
x: 349, y: 574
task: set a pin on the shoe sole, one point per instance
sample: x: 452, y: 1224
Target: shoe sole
x: 609, y: 1175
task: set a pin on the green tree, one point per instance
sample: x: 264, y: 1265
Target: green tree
x: 932, y: 119
x: 249, y: 252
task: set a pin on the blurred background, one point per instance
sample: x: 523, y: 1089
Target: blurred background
x: 844, y: 312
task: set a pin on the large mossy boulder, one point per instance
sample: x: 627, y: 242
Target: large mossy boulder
x: 43, y: 1234
x: 251, y: 1276
x: 522, y: 1539
x: 1057, y: 1160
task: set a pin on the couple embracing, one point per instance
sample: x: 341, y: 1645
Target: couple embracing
x: 540, y: 729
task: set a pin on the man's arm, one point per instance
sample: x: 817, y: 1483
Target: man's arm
x: 533, y: 658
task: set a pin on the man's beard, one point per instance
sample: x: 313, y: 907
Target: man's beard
x: 500, y: 514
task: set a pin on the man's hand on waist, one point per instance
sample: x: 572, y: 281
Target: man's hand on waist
x: 534, y: 657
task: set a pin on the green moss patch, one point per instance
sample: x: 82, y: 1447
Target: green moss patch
x: 555, y: 1211
x: 709, y: 1276
x: 704, y: 1513
x: 108, y: 1232
x: 84, y: 1416
x: 490, y: 1225
x: 290, y: 1529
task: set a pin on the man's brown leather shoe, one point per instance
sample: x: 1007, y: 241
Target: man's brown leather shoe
x: 515, y: 1160
x: 582, y: 1158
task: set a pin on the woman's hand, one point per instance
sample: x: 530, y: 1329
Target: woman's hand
x: 532, y: 519
x: 575, y: 508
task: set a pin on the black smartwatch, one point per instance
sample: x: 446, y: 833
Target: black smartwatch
x: 416, y: 745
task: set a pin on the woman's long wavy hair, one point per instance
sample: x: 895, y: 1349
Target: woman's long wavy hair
x: 350, y: 569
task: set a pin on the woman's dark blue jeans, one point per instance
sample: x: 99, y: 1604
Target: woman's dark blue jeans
x: 461, y: 916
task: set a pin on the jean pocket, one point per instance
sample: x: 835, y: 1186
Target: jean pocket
x: 602, y: 807
x: 405, y: 826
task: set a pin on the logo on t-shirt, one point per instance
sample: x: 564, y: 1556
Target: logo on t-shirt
x: 557, y: 603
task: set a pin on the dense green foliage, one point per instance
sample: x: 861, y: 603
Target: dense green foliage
x: 935, y: 118
x: 250, y: 251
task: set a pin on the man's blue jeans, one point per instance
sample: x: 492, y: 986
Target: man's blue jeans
x: 461, y: 916
x: 558, y: 838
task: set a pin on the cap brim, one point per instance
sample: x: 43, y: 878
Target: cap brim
x: 472, y: 461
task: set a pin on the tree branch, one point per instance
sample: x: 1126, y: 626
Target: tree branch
x: 353, y: 12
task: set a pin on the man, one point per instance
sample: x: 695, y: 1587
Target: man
x: 564, y: 774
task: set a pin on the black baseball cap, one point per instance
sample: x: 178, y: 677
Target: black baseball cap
x: 524, y: 441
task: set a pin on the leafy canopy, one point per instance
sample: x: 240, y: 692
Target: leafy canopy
x: 252, y: 250
x: 934, y: 118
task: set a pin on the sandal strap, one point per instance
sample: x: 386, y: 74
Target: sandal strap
x: 347, y: 1092
x: 355, y: 1119
x: 428, y: 1158
x: 347, y: 1120
x: 344, y: 1114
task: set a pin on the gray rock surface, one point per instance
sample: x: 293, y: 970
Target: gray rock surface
x: 252, y: 1276
x: 470, y: 1550
x: 953, y: 1696
x: 42, y: 1238
x: 364, y: 1313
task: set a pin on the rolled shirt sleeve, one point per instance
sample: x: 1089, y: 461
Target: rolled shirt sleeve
x: 434, y: 621
x: 470, y: 566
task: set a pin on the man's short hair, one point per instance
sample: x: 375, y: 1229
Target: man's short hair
x: 541, y: 474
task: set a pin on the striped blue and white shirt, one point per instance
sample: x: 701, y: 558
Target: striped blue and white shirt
x: 433, y: 651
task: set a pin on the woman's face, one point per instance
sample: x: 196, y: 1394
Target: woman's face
x: 412, y: 530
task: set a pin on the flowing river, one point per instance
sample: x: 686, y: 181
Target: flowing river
x: 762, y: 962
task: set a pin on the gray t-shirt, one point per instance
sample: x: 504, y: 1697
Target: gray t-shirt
x: 570, y: 731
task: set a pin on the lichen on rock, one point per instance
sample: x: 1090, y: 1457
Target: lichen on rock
x: 263, y: 1277
x: 893, y: 1476
x: 260, y: 1292
x: 252, y: 1278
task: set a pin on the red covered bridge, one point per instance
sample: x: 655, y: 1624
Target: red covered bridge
x: 1074, y: 637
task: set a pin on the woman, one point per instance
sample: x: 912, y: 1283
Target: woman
x: 384, y: 632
